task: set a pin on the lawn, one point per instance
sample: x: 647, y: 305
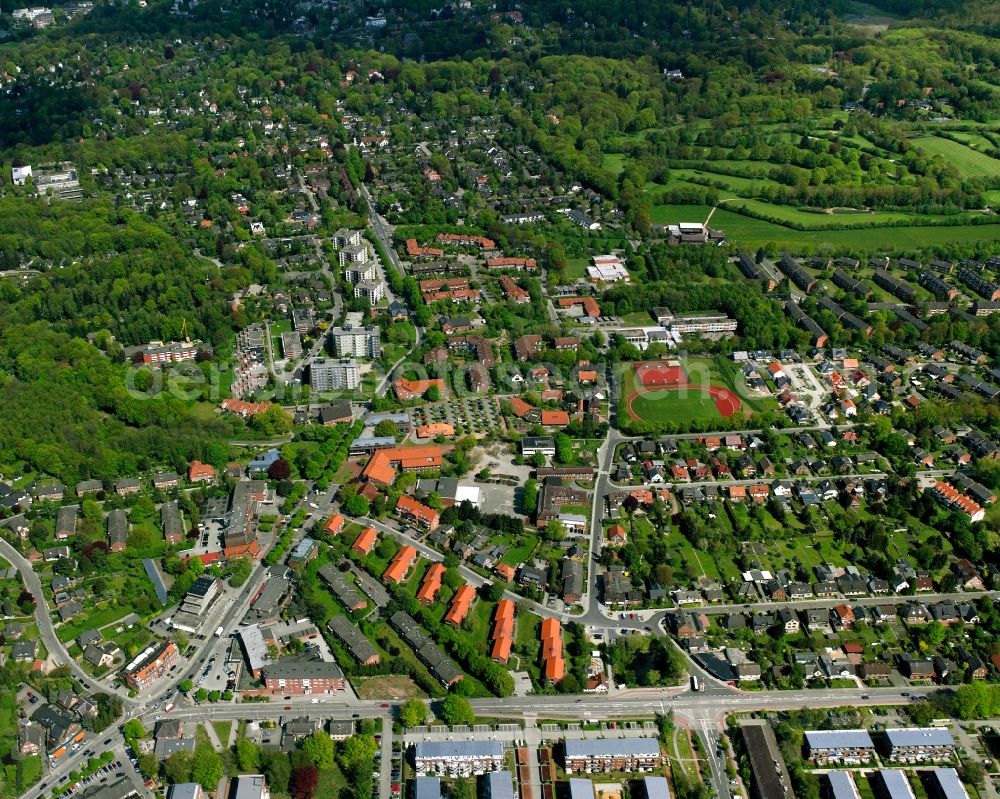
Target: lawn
x: 97, y: 618
x: 970, y: 164
x: 614, y: 163
x: 388, y: 686
x: 576, y: 268
x: 222, y: 729
x: 750, y: 233
x: 675, y: 406
x: 517, y: 555
x: 673, y: 214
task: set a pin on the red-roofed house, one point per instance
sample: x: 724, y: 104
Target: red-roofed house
x: 400, y: 566
x: 409, y: 508
x: 199, y: 472
x: 365, y: 542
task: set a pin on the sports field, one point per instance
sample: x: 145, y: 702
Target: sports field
x: 660, y: 392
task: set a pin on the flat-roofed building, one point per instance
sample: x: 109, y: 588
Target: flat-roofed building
x: 920, y: 744
x: 945, y: 784
x: 580, y: 788
x: 842, y: 785
x: 847, y: 747
x: 613, y: 754
x: 457, y: 758
x: 656, y: 787
x: 892, y: 784
x: 499, y: 785
x: 249, y: 786
x: 427, y: 788
x: 303, y: 676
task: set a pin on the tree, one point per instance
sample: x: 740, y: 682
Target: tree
x: 275, y: 421
x: 554, y: 531
x: 413, y: 713
x: 184, y: 686
x: 319, y: 747
x: 387, y: 427
x: 278, y: 771
x: 241, y: 569
x: 456, y: 710
x: 280, y: 470
x: 177, y: 767
x: 304, y: 782
x: 247, y: 755
x: 356, y: 754
x: 207, y: 767
x: 357, y: 505
x: 134, y: 730
x: 149, y: 764
x: 433, y: 393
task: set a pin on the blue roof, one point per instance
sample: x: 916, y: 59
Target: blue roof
x: 613, y: 746
x: 427, y: 788
x: 896, y: 784
x: 156, y: 579
x: 656, y: 787
x: 839, y: 739
x: 263, y: 462
x: 435, y: 749
x: 842, y: 785
x: 919, y: 736
x: 500, y: 785
x: 949, y: 784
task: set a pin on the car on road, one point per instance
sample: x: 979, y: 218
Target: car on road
x: 355, y: 715
x: 107, y: 742
x: 904, y: 693
x: 288, y: 707
x: 865, y: 696
x: 384, y: 705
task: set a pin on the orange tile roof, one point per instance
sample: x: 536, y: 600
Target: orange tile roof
x: 462, y: 238
x: 504, y: 572
x: 435, y: 429
x: 335, y: 524
x: 365, y: 541
x: 411, y: 389
x: 396, y: 571
x: 252, y: 549
x: 380, y: 469
x: 590, y: 306
x: 408, y: 506
x: 242, y: 408
x: 500, y: 263
x: 460, y: 605
x: 431, y: 584
x: 587, y: 376
x: 616, y: 532
x: 200, y: 471
x: 554, y: 667
x: 519, y: 407
x: 555, y: 418
x: 501, y: 649
x: 414, y: 250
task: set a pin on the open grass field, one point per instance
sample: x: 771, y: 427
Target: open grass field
x: 648, y: 398
x: 748, y: 232
x: 97, y: 618
x: 388, y: 686
x: 672, y: 214
x: 970, y: 164
x: 613, y: 163
x: 674, y: 406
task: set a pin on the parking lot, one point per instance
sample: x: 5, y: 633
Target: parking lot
x: 477, y: 416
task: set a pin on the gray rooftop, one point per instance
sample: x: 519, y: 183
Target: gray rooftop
x: 466, y: 749
x: 500, y: 785
x: 184, y: 790
x: 656, y: 787
x: 642, y: 747
x: 427, y: 788
x: 842, y: 785
x: 919, y: 736
x: 248, y: 786
x: 837, y: 739
x: 895, y: 783
x: 948, y: 783
x: 581, y: 788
